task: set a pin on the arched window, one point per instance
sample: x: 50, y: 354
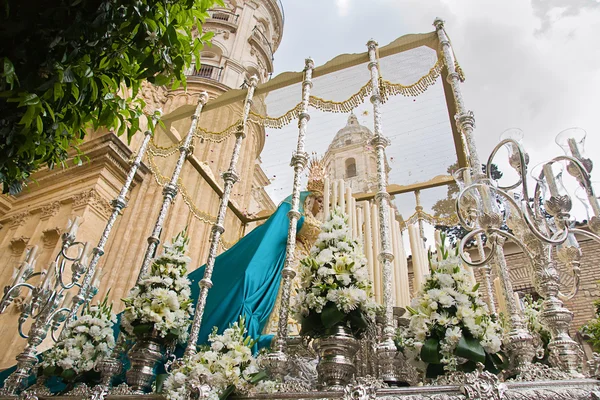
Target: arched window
x: 350, y: 167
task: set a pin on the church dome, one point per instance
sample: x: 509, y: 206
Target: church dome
x: 353, y: 133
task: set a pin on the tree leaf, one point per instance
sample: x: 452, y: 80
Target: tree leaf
x: 58, y: 91
x: 39, y: 124
x: 28, y: 116
x: 29, y: 100
x: 75, y: 93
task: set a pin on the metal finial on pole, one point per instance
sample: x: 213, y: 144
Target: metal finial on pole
x: 230, y: 177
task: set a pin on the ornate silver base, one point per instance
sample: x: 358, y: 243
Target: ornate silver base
x: 145, y: 353
x: 15, y: 383
x: 336, y: 353
x: 520, y: 349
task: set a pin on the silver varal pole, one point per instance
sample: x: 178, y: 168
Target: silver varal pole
x: 278, y: 358
x: 386, y: 349
x: 519, y: 341
x: 118, y: 204
x: 466, y: 124
x: 170, y: 189
x: 230, y: 177
x: 419, y: 210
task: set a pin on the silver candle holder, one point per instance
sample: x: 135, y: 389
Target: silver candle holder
x: 48, y: 303
x: 543, y: 228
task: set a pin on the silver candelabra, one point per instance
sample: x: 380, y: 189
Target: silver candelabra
x: 49, y: 301
x: 543, y: 228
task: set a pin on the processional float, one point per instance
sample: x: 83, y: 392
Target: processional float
x: 477, y: 208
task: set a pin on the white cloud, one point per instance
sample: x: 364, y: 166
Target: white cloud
x: 343, y: 7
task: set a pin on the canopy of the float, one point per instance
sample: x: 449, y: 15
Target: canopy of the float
x: 417, y: 118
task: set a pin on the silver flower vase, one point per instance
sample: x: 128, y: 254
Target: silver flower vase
x: 336, y: 350
x: 143, y: 356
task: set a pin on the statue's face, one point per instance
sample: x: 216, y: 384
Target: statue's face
x: 317, y: 205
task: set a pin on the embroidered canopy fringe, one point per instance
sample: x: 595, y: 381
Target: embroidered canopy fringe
x: 163, y: 152
x: 217, y: 137
x: 387, y: 90
x: 430, y: 219
x: 275, y: 122
x: 202, y: 216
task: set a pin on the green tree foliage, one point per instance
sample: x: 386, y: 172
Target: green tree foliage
x: 592, y: 329
x: 70, y: 65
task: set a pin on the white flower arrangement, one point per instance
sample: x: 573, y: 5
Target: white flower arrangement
x: 541, y: 336
x: 451, y: 325
x: 224, y: 367
x: 88, y: 340
x: 334, y: 282
x: 161, y: 300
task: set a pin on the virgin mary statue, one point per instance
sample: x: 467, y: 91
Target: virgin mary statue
x: 246, y: 277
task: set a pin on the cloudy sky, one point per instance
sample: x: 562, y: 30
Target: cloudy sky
x: 529, y: 64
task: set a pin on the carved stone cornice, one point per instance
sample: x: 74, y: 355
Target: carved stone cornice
x: 20, y: 218
x: 50, y: 209
x: 93, y: 199
x: 6, y: 203
x: 106, y: 151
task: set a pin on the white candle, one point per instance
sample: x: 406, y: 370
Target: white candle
x: 67, y: 300
x: 414, y: 248
x: 574, y: 149
x: 355, y: 223
x: 359, y: 225
x: 342, y: 193
x: 518, y: 301
x: 467, y: 176
x: 367, y: 239
x: 334, y: 197
x: 73, y: 226
x: 326, y: 199
x: 396, y: 276
x: 550, y: 179
x: 96, y: 278
x: 438, y: 243
x: 500, y: 296
x: 50, y: 274
x: 349, y: 210
x: 85, y: 254
x: 403, y: 271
